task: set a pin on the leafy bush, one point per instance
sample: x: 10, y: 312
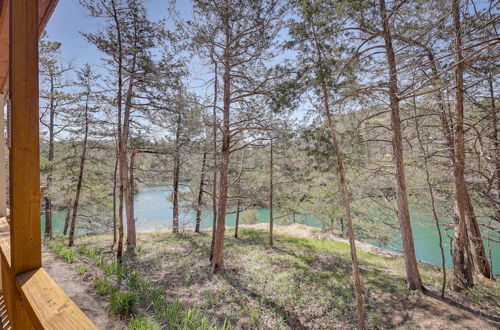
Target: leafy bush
x: 143, y: 323
x: 65, y: 253
x: 102, y: 286
x: 123, y: 305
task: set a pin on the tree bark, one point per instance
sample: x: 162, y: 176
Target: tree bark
x: 218, y: 258
x: 271, y: 190
x: 412, y: 273
x: 200, y: 194
x: 433, y: 200
x: 66, y: 218
x: 129, y: 207
x: 343, y: 188
x: 114, y: 200
x: 48, y: 198
x: 482, y: 264
x: 119, y: 100
x: 238, y: 211
x: 462, y: 259
x: 214, y: 188
x: 130, y: 199
x: 80, y: 173
x: 175, y: 183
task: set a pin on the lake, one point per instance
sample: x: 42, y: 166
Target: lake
x: 153, y: 212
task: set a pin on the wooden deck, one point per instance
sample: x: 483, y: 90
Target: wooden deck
x: 34, y: 298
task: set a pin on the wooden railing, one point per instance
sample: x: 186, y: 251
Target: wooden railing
x: 33, y: 299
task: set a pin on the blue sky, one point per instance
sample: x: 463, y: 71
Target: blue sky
x: 69, y: 19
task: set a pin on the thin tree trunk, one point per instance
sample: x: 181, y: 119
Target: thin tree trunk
x: 119, y: 250
x: 214, y: 188
x: 412, y: 273
x: 238, y: 199
x: 200, y: 193
x: 130, y: 199
x: 495, y: 138
x: 462, y: 260
x: 344, y: 190
x: 433, y: 201
x: 238, y: 211
x: 218, y: 258
x: 131, y: 234
x: 48, y: 198
x: 271, y: 190
x: 114, y: 201
x: 175, y: 184
x: 66, y: 218
x: 80, y: 174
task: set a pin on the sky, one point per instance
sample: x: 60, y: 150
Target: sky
x: 70, y: 19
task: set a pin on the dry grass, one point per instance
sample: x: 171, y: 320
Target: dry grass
x: 300, y: 283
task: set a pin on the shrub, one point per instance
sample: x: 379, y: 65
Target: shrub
x: 123, y: 305
x: 102, y: 286
x: 143, y: 323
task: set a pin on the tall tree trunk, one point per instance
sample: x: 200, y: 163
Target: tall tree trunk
x: 48, y: 198
x: 482, y: 265
x: 175, y: 184
x: 129, y: 207
x: 119, y: 100
x: 412, y: 273
x: 462, y: 259
x: 218, y: 258
x: 344, y: 190
x: 67, y: 217
x: 271, y: 190
x: 80, y: 174
x: 495, y: 138
x: 214, y: 187
x: 200, y: 193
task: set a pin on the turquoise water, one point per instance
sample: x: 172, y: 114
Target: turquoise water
x: 153, y: 212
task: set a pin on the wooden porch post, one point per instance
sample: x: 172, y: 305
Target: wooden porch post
x: 3, y: 189
x: 24, y: 161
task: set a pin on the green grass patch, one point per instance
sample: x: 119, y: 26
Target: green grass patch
x: 102, y: 286
x: 124, y: 304
x: 80, y: 269
x: 65, y: 253
x: 143, y: 323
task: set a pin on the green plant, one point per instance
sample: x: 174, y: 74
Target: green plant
x: 80, y: 269
x: 117, y: 269
x: 65, y: 253
x: 124, y: 304
x: 102, y: 286
x: 143, y: 323
x: 134, y: 280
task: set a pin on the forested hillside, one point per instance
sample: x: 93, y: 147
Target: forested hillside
x: 362, y: 117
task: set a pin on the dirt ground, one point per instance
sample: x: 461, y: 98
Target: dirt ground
x: 80, y: 289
